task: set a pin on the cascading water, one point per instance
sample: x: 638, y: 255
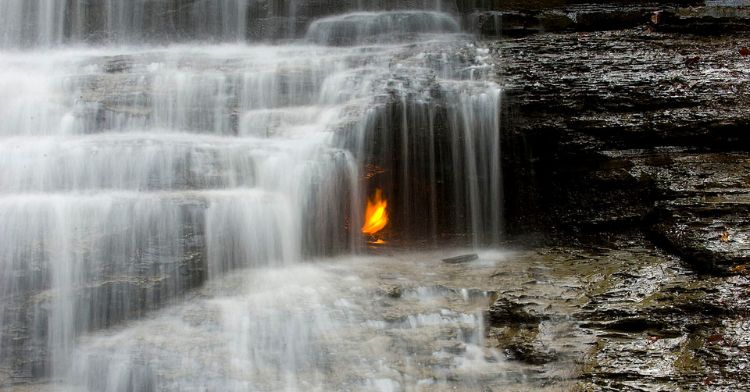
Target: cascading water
x: 135, y: 173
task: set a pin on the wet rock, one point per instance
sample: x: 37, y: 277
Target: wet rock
x: 507, y: 312
x: 601, y: 18
x: 522, y: 21
x: 712, y: 233
x: 531, y: 5
x: 702, y: 216
x: 523, y: 343
x: 616, y: 131
x: 391, y: 291
x: 658, y: 326
x: 461, y: 259
x: 634, y: 324
x: 529, y: 353
x: 508, y: 23
x: 713, y: 19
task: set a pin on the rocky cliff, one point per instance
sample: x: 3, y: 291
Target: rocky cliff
x: 633, y: 118
x: 639, y: 127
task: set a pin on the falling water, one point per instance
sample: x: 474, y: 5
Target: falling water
x: 148, y: 151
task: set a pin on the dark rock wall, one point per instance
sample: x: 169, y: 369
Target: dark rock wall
x: 636, y: 128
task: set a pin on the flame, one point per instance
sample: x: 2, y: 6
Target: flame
x: 376, y: 215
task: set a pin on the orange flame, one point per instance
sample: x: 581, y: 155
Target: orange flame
x: 376, y: 216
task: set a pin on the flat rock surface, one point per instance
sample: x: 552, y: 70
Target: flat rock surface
x: 649, y: 323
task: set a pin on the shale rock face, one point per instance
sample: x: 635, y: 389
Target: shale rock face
x: 658, y: 326
x: 632, y: 128
x: 632, y: 119
x: 506, y: 312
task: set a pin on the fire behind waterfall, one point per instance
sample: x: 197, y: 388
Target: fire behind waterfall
x: 376, y: 215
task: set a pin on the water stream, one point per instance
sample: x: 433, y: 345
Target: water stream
x: 180, y: 206
x: 342, y: 324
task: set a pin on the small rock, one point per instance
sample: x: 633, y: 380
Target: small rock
x: 461, y: 259
x: 392, y: 291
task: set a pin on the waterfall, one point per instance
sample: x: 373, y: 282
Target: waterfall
x: 147, y: 149
x: 52, y: 22
x: 356, y: 28
x: 49, y: 23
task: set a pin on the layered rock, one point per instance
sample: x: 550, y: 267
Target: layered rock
x: 631, y: 128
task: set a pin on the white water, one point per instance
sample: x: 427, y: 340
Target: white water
x: 358, y: 28
x: 133, y: 174
x: 304, y: 328
x: 53, y: 22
